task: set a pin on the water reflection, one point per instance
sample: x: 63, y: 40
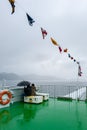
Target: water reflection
x: 20, y: 111
x: 5, y: 116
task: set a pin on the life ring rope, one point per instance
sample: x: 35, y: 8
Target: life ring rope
x: 9, y: 96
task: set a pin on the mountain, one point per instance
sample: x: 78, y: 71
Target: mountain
x: 9, y: 76
x: 13, y: 76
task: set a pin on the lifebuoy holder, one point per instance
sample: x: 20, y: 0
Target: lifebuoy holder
x: 9, y: 96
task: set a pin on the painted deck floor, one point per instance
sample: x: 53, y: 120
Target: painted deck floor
x: 50, y: 115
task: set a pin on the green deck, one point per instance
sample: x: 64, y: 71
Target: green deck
x: 50, y: 115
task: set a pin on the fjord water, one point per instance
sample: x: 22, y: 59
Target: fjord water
x: 54, y: 88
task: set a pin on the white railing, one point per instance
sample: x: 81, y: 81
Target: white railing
x: 73, y: 92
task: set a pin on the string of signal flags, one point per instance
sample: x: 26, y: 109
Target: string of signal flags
x: 44, y: 34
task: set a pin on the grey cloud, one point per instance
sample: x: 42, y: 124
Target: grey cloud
x: 22, y: 48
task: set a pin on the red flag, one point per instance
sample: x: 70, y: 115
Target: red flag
x: 60, y: 49
x: 65, y: 50
x: 71, y: 58
x: 44, y: 32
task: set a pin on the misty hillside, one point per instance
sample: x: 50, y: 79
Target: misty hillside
x: 13, y: 76
x: 9, y: 76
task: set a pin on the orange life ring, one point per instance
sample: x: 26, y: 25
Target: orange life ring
x: 8, y: 99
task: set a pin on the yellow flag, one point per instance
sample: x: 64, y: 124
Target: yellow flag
x: 12, y: 2
x: 54, y: 42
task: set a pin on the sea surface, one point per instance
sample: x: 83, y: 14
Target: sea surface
x: 44, y: 82
x: 54, y: 88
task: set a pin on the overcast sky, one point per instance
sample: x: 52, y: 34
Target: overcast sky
x: 22, y: 48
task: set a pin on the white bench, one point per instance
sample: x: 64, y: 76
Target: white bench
x: 33, y: 99
x: 45, y: 95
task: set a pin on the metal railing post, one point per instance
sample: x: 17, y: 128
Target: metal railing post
x: 86, y: 92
